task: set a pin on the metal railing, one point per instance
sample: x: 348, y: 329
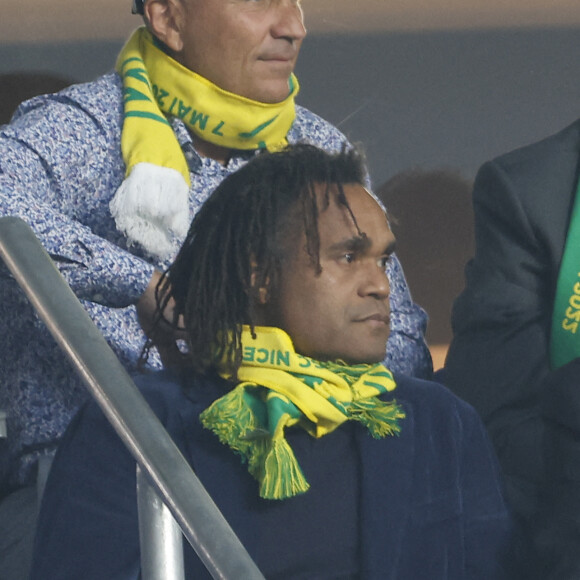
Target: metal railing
x: 163, y: 466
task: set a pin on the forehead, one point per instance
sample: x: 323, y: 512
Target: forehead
x: 365, y: 212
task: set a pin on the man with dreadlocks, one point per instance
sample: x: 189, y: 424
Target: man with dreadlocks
x: 325, y: 463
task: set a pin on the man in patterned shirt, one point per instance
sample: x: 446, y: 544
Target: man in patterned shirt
x: 109, y: 174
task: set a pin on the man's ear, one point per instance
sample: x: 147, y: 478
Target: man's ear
x: 163, y: 18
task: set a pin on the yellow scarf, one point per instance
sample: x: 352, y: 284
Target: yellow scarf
x: 280, y: 388
x: 151, y: 206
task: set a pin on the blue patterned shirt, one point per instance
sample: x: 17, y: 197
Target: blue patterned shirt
x: 60, y: 165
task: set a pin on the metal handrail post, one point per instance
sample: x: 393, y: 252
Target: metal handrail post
x: 160, y: 537
x: 199, y: 518
x: 3, y: 428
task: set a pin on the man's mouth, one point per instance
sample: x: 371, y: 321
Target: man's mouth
x: 288, y: 56
x: 377, y: 318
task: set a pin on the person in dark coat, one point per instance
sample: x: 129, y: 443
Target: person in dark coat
x: 508, y: 358
x: 325, y: 463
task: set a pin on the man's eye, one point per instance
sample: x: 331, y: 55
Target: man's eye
x: 348, y: 258
x: 384, y: 261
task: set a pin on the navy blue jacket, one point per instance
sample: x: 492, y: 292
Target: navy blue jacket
x: 423, y: 505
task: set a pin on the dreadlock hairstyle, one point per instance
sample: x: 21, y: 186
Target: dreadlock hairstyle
x: 237, y: 241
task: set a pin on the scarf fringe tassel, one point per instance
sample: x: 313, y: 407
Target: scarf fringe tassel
x: 270, y: 461
x: 380, y: 418
x: 150, y: 206
x: 282, y: 476
x: 231, y: 419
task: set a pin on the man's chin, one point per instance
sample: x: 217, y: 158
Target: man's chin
x: 271, y: 91
x: 365, y: 357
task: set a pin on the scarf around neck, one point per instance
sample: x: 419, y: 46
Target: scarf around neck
x: 151, y: 205
x: 278, y: 389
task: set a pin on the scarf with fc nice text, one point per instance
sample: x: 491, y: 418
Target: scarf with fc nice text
x: 278, y: 389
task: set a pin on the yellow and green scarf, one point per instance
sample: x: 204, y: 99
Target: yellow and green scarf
x: 278, y: 389
x: 151, y: 205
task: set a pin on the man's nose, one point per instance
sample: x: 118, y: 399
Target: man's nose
x: 376, y: 281
x: 289, y: 21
